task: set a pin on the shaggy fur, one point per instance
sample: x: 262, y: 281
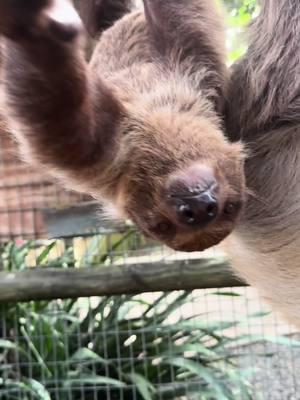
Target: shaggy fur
x: 264, y: 111
x: 98, y: 15
x: 143, y: 115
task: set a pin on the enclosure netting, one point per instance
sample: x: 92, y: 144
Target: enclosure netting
x: 204, y: 344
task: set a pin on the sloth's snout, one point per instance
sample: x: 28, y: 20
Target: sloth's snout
x: 197, y: 210
x: 193, y: 197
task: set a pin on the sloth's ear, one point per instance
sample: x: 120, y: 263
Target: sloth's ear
x: 98, y: 15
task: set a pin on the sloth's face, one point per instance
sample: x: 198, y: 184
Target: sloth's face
x: 184, y: 184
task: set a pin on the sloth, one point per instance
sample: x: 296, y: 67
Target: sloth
x: 263, y: 110
x: 140, y: 128
x: 98, y: 15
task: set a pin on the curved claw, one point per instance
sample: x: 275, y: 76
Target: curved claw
x: 56, y: 19
x: 62, y: 20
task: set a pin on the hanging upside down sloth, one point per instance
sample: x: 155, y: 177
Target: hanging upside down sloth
x: 153, y: 126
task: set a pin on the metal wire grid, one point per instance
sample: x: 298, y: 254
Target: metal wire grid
x: 41, y: 356
x: 25, y: 193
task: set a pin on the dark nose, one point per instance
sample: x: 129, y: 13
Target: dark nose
x: 193, y: 195
x: 197, y: 210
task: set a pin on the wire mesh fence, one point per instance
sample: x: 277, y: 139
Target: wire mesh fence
x: 213, y: 344
x: 202, y: 344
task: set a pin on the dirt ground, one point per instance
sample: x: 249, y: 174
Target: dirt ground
x: 277, y: 376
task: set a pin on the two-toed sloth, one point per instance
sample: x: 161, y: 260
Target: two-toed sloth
x: 263, y: 111
x: 139, y: 127
x: 142, y: 127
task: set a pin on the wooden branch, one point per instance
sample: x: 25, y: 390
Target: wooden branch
x: 43, y: 284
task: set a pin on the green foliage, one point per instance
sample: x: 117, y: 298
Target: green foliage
x: 120, y: 344
x: 116, y: 351
x: 119, y: 347
x: 239, y: 15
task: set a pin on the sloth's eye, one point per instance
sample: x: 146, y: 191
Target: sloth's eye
x: 232, y: 207
x: 163, y: 228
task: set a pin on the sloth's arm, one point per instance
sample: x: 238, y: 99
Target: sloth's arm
x: 62, y: 115
x: 264, y: 93
x: 190, y: 32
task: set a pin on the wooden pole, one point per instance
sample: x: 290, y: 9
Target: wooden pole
x: 43, y: 283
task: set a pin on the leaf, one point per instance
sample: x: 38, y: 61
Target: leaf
x: 31, y: 386
x: 180, y: 300
x: 211, y: 327
x: 44, y: 254
x: 230, y: 294
x: 259, y: 314
x: 202, y: 372
x: 117, y: 243
x: 94, y: 380
x: 285, y: 341
x: 7, y: 344
x: 281, y: 340
x: 155, y: 304
x: 84, y: 354
x: 12, y: 385
x: 35, y: 352
x: 39, y: 389
x: 128, y: 306
x: 145, y: 388
x: 190, y: 347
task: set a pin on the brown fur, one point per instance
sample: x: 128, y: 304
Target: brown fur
x: 264, y: 111
x: 98, y: 15
x: 143, y: 113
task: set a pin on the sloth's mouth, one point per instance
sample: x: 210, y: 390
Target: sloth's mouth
x: 230, y: 213
x: 195, y: 238
x: 199, y: 243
